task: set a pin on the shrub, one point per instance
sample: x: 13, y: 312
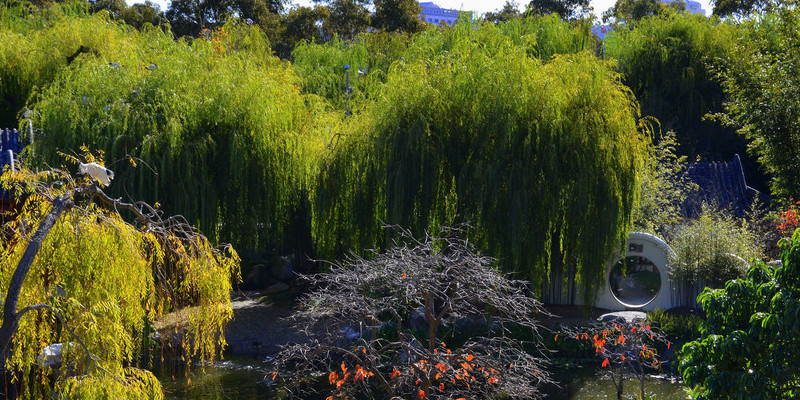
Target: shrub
x: 713, y: 248
x: 749, y: 345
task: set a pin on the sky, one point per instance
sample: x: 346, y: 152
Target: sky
x: 480, y: 6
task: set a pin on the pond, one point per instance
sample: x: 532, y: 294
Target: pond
x: 242, y: 378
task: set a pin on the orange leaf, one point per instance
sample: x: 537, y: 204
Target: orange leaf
x: 274, y: 374
x: 605, y: 363
x: 470, y: 357
x: 421, y: 394
x: 441, y: 386
x: 493, y: 380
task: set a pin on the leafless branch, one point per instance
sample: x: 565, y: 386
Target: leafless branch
x: 391, y: 314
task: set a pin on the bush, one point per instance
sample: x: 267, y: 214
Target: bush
x: 713, y: 248
x: 749, y: 345
x: 678, y: 327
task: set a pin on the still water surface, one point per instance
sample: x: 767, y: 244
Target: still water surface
x: 242, y: 378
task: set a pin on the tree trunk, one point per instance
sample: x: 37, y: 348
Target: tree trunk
x: 10, y: 315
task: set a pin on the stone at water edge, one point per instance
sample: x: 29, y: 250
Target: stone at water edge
x: 628, y: 317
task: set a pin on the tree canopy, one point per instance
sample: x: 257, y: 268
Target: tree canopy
x: 566, y: 9
x: 760, y: 78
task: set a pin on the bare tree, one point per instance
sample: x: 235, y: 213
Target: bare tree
x: 379, y: 325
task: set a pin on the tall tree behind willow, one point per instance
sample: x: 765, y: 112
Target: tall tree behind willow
x: 543, y: 158
x: 218, y: 126
x: 667, y: 60
x: 761, y: 78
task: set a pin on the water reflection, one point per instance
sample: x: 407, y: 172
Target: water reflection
x: 235, y: 378
x: 589, y: 384
x: 242, y: 378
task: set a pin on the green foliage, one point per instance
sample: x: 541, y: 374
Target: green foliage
x: 678, y: 328
x: 760, y: 76
x: 628, y: 12
x: 218, y: 125
x: 321, y: 66
x: 346, y: 18
x: 544, y: 36
x: 749, y: 345
x: 546, y: 162
x: 36, y: 44
x: 565, y: 9
x: 713, y: 248
x: 190, y: 17
x: 665, y: 187
x: 397, y: 15
x: 102, y: 282
x: 667, y: 62
x: 743, y: 7
x: 510, y: 11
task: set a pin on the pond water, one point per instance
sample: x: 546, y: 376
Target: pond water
x: 590, y: 384
x: 242, y: 378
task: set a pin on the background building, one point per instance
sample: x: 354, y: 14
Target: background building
x: 433, y: 14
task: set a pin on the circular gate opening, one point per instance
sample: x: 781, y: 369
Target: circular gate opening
x: 635, y: 281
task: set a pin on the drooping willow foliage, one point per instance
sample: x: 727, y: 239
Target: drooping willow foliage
x: 218, y: 126
x: 543, y: 36
x: 33, y: 49
x: 541, y: 157
x: 100, y: 283
x: 369, y: 56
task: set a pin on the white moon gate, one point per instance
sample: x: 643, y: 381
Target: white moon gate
x: 641, y: 279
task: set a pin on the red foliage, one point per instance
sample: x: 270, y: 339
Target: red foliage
x: 789, y: 219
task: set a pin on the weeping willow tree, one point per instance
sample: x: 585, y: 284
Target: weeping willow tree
x: 218, y: 126
x: 78, y: 276
x: 541, y: 157
x: 26, y: 65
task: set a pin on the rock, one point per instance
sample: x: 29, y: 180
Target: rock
x: 283, y: 268
x: 50, y: 355
x: 627, y: 317
x: 276, y: 288
x: 257, y: 276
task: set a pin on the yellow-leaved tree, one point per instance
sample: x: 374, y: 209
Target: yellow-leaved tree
x: 84, y: 276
